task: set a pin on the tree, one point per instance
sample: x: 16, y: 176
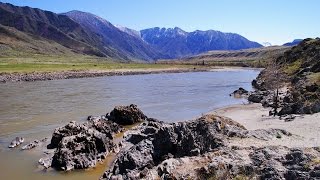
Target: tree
x: 275, y: 79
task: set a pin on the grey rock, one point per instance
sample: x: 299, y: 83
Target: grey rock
x: 45, y: 162
x: 31, y: 145
x: 81, y: 151
x: 102, y: 125
x: 16, y: 142
x: 153, y: 142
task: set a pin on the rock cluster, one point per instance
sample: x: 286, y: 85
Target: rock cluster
x: 196, y: 149
x: 82, y: 145
x: 153, y: 142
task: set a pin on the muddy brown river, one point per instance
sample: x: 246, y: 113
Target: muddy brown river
x: 33, y: 109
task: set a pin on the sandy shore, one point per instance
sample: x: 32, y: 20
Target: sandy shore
x: 305, y: 128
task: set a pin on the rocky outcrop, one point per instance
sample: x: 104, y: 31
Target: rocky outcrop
x: 153, y: 142
x: 100, y: 124
x: 236, y: 163
x: 196, y: 149
x: 82, y: 151
x: 127, y: 115
x: 81, y: 146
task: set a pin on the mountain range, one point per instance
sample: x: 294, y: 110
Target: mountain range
x: 293, y: 43
x: 86, y: 33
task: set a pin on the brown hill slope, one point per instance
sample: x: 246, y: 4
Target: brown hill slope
x: 15, y: 43
x: 248, y: 57
x: 301, y: 67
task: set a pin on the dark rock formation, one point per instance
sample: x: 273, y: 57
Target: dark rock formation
x: 269, y: 162
x: 72, y: 128
x: 240, y: 92
x: 81, y: 146
x: 81, y: 151
x: 153, y: 142
x: 100, y: 124
x: 196, y: 149
x: 256, y: 97
x: 127, y: 115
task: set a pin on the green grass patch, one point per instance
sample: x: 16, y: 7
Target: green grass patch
x: 293, y: 67
x: 73, y: 63
x: 314, y: 78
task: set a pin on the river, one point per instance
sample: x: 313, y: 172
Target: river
x: 33, y: 109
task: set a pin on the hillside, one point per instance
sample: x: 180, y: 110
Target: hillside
x: 15, y: 43
x: 129, y: 46
x: 87, y: 34
x: 178, y: 43
x: 301, y: 67
x: 247, y: 57
x: 293, y: 43
x: 58, y: 28
x: 82, y: 33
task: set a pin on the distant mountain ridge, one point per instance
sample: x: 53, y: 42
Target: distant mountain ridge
x: 86, y: 33
x: 179, y: 43
x: 293, y: 43
x: 130, y: 46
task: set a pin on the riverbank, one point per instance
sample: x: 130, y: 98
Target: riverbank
x: 305, y: 128
x: 72, y: 74
x: 44, y: 76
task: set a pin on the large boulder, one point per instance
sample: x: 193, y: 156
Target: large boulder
x: 102, y: 125
x: 82, y: 145
x: 81, y: 151
x: 126, y: 115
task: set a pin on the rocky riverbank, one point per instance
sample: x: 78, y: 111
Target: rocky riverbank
x: 212, y: 146
x: 45, y: 76
x: 299, y: 71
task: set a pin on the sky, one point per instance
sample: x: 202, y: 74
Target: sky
x: 274, y: 21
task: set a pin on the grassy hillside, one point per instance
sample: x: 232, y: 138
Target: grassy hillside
x: 301, y: 67
x: 15, y: 43
x: 256, y: 57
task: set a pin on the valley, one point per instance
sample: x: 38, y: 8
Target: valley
x: 176, y: 90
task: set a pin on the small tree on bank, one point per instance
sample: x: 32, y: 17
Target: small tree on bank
x: 275, y: 79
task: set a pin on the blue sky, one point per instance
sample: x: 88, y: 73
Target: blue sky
x: 274, y: 21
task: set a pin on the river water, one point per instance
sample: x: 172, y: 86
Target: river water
x: 33, y: 109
